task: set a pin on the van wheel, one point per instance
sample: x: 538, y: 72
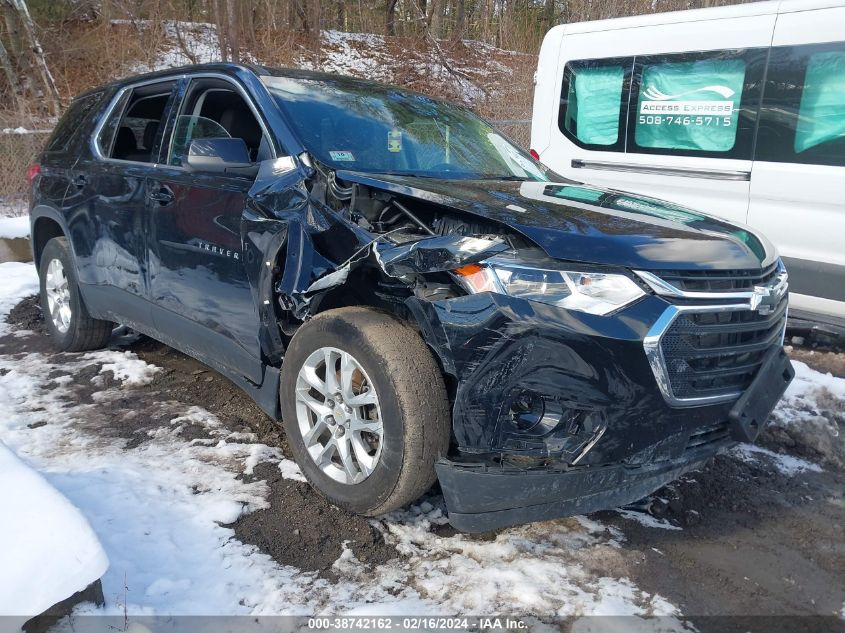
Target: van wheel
x: 67, y: 320
x: 365, y: 409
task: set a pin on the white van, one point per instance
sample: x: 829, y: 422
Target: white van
x: 735, y: 111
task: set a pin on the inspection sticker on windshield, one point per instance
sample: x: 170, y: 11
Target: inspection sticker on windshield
x: 394, y: 141
x: 342, y: 155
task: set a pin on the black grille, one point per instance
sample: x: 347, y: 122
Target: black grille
x: 708, y: 435
x: 709, y: 354
x: 720, y: 281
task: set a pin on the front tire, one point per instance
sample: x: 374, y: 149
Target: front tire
x: 68, y: 322
x: 364, y: 408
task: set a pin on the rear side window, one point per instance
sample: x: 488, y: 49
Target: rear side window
x: 72, y: 121
x: 133, y: 129
x: 696, y: 104
x: 594, y: 102
x: 803, y: 114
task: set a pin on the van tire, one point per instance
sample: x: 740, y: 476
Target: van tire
x: 412, y: 399
x: 83, y: 331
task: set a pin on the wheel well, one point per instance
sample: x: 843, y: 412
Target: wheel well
x: 45, y: 229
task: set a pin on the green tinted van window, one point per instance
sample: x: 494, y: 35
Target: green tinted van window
x: 821, y: 116
x: 691, y: 106
x: 595, y: 97
x: 592, y: 101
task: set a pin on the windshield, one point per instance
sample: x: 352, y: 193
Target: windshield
x: 363, y: 127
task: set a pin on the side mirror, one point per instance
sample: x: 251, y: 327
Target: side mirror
x: 220, y: 155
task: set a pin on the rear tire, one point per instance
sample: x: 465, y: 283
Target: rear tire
x: 65, y: 316
x: 393, y: 371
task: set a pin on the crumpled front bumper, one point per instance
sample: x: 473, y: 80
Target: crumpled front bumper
x: 627, y: 440
x: 482, y: 497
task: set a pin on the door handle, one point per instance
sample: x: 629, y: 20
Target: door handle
x: 162, y: 195
x: 80, y: 181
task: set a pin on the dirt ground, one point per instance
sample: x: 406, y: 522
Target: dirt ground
x: 754, y: 541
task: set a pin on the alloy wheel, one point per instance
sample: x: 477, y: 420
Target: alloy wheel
x: 58, y: 295
x: 339, y: 416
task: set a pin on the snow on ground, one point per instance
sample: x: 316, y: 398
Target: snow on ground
x: 365, y: 55
x: 17, y: 281
x: 14, y: 227
x: 20, y: 130
x: 160, y: 511
x: 805, y: 391
x: 48, y: 549
x: 647, y: 520
x: 786, y: 464
x: 13, y: 207
x: 187, y: 43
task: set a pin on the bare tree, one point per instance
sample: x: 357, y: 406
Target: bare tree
x: 12, y: 79
x: 232, y: 30
x: 460, y: 20
x: 222, y: 32
x: 390, y: 17
x: 29, y: 55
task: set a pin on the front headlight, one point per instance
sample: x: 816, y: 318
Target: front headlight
x: 592, y: 292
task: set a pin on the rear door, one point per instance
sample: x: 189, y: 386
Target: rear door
x: 198, y: 280
x: 108, y: 198
x: 797, y: 179
x: 665, y: 110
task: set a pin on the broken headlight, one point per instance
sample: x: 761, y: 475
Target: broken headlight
x: 592, y: 292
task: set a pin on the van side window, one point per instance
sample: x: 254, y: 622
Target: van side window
x: 132, y: 131
x: 696, y: 104
x: 803, y: 115
x: 690, y: 105
x: 593, y: 99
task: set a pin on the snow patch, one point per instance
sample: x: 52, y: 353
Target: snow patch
x: 785, y: 464
x: 17, y: 281
x: 647, y: 520
x: 48, y: 549
x: 22, y: 130
x: 125, y: 366
x: 13, y: 207
x: 290, y: 470
x: 804, y: 391
x: 14, y: 227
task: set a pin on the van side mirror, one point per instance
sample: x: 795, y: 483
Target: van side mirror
x: 220, y: 155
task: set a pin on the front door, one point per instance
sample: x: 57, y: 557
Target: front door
x: 197, y: 268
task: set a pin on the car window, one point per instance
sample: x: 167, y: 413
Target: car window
x: 189, y: 128
x: 70, y: 123
x: 593, y: 99
x: 134, y: 126
x: 803, y: 114
x: 213, y: 109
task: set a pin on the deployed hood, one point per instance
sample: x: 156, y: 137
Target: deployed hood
x: 575, y: 222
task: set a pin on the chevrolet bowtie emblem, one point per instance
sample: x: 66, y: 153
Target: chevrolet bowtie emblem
x: 760, y: 293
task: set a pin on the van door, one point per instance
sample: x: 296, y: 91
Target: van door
x: 797, y: 178
x: 665, y: 110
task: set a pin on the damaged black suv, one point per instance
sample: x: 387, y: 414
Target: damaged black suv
x: 411, y: 294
